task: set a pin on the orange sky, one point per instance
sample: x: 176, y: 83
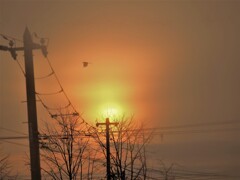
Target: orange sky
x: 128, y: 60
x: 165, y: 62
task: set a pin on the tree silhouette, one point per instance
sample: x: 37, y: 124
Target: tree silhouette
x: 128, y: 149
x: 63, y: 148
x: 5, y: 168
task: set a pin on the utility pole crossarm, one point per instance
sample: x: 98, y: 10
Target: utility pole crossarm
x: 4, y: 48
x: 32, y: 46
x: 114, y: 123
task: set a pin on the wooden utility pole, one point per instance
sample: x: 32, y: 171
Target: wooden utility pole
x: 29, y: 46
x: 31, y: 106
x: 107, y: 124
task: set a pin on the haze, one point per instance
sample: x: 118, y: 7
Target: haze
x: 168, y: 63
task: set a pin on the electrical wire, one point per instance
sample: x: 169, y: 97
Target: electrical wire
x: 21, y: 68
x: 46, y: 76
x: 19, y: 144
x: 8, y: 38
x: 196, y: 125
x: 48, y: 109
x: 197, y: 131
x: 49, y: 94
x: 13, y: 137
x: 87, y: 135
x: 50, y: 65
x: 11, y: 130
x: 39, y: 95
x: 40, y: 99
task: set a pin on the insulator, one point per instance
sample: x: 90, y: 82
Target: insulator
x: 54, y: 115
x: 11, y: 43
x: 13, y: 54
x: 75, y: 114
x: 42, y: 41
x: 44, y: 51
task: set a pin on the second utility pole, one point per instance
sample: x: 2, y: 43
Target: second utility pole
x: 108, y: 146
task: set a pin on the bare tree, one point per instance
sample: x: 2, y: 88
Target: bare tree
x: 63, y: 147
x: 70, y: 152
x: 5, y: 168
x: 128, y: 149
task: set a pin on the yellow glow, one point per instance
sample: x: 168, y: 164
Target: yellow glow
x: 105, y: 96
x: 110, y: 110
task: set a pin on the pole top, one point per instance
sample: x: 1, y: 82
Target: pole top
x: 27, y: 35
x: 26, y: 31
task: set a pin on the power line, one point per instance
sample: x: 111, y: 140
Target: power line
x: 197, y: 131
x: 52, y: 93
x: 60, y: 83
x: 11, y: 130
x: 13, y: 137
x: 75, y: 113
x: 19, y: 144
x: 49, y: 94
x: 233, y: 129
x: 207, y: 124
x: 46, y: 76
x: 8, y: 38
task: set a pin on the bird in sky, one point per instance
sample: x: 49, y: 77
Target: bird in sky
x: 85, y: 64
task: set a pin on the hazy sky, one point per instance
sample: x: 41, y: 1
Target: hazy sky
x: 167, y: 62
